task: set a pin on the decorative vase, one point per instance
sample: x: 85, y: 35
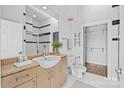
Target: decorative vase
x: 57, y: 51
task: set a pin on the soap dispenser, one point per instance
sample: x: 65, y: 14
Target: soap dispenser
x: 20, y: 59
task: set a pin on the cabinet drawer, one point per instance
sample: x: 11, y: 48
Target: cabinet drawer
x: 28, y: 84
x: 18, y: 78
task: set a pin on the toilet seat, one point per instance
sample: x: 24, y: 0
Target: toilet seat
x: 80, y: 67
x: 78, y: 70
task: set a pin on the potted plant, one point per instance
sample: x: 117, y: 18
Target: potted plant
x: 56, y: 45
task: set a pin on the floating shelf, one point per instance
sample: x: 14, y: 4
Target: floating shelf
x: 31, y: 34
x: 39, y: 27
x: 45, y: 42
x: 43, y: 34
x: 30, y: 42
x: 36, y: 42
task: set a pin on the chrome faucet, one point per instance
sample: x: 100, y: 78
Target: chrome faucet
x: 44, y: 53
x: 20, y: 59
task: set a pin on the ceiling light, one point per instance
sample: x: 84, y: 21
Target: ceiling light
x: 44, y: 7
x: 34, y: 16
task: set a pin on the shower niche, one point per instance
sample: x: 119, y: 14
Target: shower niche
x: 95, y: 49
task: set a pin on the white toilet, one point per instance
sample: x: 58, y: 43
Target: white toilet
x: 78, y: 70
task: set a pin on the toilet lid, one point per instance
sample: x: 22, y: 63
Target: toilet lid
x: 80, y: 67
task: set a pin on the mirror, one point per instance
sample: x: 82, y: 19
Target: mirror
x: 41, y: 28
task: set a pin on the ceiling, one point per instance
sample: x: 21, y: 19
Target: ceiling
x: 40, y: 15
x: 52, y: 11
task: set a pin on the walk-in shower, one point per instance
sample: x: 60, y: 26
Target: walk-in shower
x: 95, y: 48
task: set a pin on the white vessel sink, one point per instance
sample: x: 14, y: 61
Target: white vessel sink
x: 47, y: 61
x: 21, y: 64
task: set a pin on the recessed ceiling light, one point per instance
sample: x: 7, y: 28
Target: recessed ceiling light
x: 34, y: 16
x: 44, y: 7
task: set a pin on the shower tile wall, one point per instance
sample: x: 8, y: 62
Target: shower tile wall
x: 95, y: 49
x: 52, y: 28
x: 41, y: 45
x: 31, y: 48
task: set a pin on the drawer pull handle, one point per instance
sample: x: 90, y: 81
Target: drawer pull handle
x: 27, y: 75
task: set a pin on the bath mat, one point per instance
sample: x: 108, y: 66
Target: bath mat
x: 79, y: 84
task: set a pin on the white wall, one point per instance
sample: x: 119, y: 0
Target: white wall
x: 68, y: 28
x: 11, y: 38
x: 31, y: 48
x: 13, y: 12
x: 82, y: 15
x: 95, y: 13
x: 0, y: 11
x: 122, y: 46
x: 52, y: 28
x: 0, y: 26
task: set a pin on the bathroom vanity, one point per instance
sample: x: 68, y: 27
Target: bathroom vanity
x: 34, y: 76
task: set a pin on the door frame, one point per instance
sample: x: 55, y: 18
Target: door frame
x: 121, y: 46
x: 109, y: 44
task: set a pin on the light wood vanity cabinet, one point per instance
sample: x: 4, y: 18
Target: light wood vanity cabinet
x: 43, y: 78
x: 28, y: 84
x: 38, y: 77
x: 52, y: 77
x: 60, y: 74
x: 19, y: 78
x: 64, y: 71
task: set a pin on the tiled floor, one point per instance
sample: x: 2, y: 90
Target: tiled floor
x: 92, y: 79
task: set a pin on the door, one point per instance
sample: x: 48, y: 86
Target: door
x: 58, y: 76
x: 29, y: 84
x: 122, y: 46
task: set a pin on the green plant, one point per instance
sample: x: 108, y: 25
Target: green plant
x: 56, y: 45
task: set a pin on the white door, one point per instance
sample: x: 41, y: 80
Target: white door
x: 122, y: 46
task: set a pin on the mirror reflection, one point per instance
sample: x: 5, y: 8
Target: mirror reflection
x: 41, y: 29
